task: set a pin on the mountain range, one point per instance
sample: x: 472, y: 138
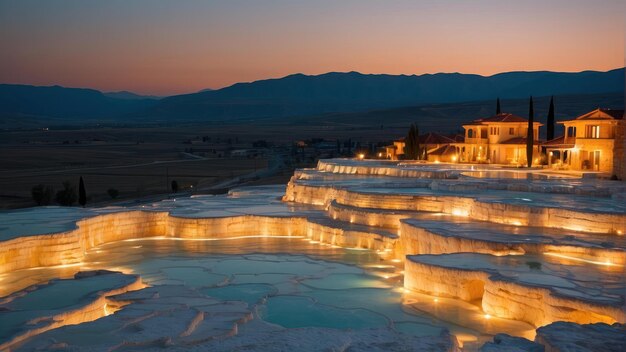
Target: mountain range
x: 298, y: 95
x: 19, y: 101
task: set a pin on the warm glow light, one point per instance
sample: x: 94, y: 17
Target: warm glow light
x: 361, y: 156
x: 460, y: 212
x: 56, y: 266
x: 163, y: 238
x: 558, y: 255
x: 436, y: 300
x: 106, y: 311
x: 487, y: 316
x: 454, y: 158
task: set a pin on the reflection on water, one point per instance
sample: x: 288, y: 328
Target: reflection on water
x: 500, y: 174
x: 290, y: 281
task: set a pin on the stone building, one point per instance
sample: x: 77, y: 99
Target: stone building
x: 429, y: 142
x: 619, y: 150
x: 499, y: 139
x: 593, y: 141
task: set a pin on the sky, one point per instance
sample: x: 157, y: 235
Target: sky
x: 174, y: 47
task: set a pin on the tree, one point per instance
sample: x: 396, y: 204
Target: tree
x: 550, y: 122
x: 113, y: 193
x: 174, y: 186
x: 67, y: 196
x: 530, y: 135
x: 498, y: 111
x: 42, y: 195
x: 37, y: 193
x: 82, y: 194
x: 412, y: 144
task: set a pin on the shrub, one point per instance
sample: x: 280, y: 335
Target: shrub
x: 113, y: 193
x: 42, y: 195
x: 67, y: 196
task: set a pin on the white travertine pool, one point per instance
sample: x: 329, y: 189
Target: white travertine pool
x: 363, y: 252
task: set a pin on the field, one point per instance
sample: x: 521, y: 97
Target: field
x: 141, y: 161
x: 134, y: 169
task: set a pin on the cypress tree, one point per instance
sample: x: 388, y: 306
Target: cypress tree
x: 530, y: 135
x: 418, y: 149
x: 408, y: 143
x: 550, y: 122
x: 82, y: 194
x: 498, y: 111
x: 412, y: 144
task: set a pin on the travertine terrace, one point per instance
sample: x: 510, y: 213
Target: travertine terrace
x: 466, y: 250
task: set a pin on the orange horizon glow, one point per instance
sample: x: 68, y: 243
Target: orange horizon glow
x: 182, y: 47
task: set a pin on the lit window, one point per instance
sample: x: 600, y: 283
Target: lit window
x: 592, y: 131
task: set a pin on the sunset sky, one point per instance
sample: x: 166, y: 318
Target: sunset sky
x: 172, y: 47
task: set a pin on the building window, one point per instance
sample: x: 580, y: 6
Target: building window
x: 470, y: 133
x: 592, y: 131
x: 571, y: 131
x: 511, y: 131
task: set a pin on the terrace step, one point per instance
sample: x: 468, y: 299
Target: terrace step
x: 537, y: 289
x: 458, y: 234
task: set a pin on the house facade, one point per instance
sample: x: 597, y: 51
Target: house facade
x: 593, y: 141
x: 499, y: 139
x: 429, y: 142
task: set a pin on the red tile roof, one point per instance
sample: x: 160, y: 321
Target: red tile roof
x: 430, y: 138
x: 559, y: 142
x: 459, y: 138
x: 444, y: 150
x: 503, y: 117
x: 602, y: 113
x: 434, y: 138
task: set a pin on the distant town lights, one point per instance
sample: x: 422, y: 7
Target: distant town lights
x: 361, y: 156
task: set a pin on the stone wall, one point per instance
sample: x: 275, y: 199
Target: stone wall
x: 619, y: 151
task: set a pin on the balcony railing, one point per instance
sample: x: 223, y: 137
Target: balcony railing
x: 477, y: 140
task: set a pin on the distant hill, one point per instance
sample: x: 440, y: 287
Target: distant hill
x: 349, y: 92
x: 60, y: 102
x: 124, y: 94
x: 295, y: 95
